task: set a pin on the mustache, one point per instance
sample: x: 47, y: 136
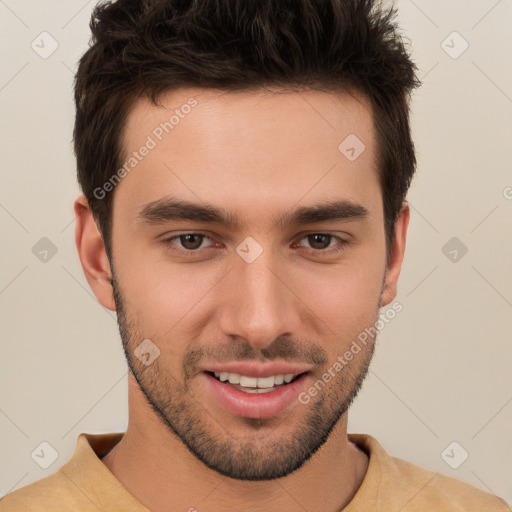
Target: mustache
x: 239, y: 349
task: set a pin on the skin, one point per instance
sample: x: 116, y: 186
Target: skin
x: 255, y: 154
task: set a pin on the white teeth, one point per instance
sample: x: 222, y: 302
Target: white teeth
x: 278, y: 379
x: 255, y: 382
x: 248, y: 382
x: 234, y: 378
x: 266, y: 382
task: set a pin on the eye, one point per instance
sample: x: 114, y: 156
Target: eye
x: 323, y: 241
x: 188, y: 242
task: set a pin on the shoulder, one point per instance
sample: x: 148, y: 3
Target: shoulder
x: 394, y: 482
x: 442, y: 492
x: 54, y: 492
x: 82, y: 484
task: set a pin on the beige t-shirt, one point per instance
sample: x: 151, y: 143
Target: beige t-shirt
x: 84, y: 484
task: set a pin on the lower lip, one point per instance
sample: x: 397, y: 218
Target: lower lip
x: 256, y: 405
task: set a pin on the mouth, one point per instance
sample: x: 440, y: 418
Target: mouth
x: 255, y: 385
x: 255, y: 397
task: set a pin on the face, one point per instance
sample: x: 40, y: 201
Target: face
x: 247, y: 246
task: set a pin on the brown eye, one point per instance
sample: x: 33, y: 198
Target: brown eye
x: 191, y: 241
x: 323, y: 244
x: 319, y: 240
x: 190, y: 244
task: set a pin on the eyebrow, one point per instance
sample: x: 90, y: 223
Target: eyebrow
x: 170, y: 209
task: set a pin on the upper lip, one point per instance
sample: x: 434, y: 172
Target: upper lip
x: 254, y: 369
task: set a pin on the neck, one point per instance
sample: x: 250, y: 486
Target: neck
x: 159, y: 471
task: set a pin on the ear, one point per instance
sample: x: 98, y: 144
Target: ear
x: 396, y: 256
x: 92, y: 254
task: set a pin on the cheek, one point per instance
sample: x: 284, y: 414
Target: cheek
x: 161, y: 295
x: 345, y: 297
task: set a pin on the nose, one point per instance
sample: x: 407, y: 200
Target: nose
x: 260, y: 304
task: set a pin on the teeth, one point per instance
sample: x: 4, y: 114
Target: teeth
x: 266, y: 382
x: 234, y: 378
x: 278, y: 379
x: 255, y: 382
x: 248, y: 382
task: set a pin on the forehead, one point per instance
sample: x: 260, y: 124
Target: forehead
x: 249, y: 148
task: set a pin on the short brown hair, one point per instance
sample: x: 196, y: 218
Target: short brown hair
x: 148, y: 47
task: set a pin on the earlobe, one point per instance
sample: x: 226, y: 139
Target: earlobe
x: 396, y: 257
x: 92, y: 253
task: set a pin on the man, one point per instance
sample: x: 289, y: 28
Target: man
x: 244, y: 168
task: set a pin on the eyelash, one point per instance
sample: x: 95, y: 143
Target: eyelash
x: 191, y: 252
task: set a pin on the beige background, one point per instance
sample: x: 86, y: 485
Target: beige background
x: 443, y: 366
